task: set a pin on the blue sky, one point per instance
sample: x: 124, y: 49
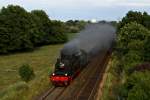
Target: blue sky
x: 83, y: 9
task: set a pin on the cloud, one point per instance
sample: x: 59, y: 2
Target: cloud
x: 82, y: 9
x: 75, y: 3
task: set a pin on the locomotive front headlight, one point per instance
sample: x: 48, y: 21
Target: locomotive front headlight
x: 53, y: 74
x: 66, y: 74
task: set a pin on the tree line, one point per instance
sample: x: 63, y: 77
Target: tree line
x: 21, y: 30
x: 132, y: 57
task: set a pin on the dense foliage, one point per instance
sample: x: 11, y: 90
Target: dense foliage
x: 134, y: 16
x: 136, y: 87
x: 16, y: 26
x: 130, y: 42
x: 26, y: 73
x: 132, y: 57
x: 21, y: 30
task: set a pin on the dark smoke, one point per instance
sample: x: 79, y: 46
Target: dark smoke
x: 92, y: 39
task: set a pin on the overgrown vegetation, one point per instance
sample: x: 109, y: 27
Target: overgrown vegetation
x: 131, y: 58
x: 23, y: 31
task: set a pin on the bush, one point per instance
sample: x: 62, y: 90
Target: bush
x: 136, y: 87
x: 26, y: 73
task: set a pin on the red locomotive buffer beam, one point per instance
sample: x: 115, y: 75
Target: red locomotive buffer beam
x: 60, y: 80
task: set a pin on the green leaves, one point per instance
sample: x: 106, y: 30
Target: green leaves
x: 134, y: 16
x: 134, y: 49
x: 22, y: 31
x: 26, y: 73
x: 130, y: 33
x: 131, y: 40
x: 137, y: 86
x: 16, y: 26
x: 146, y: 53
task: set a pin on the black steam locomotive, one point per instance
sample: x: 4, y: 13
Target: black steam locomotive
x: 95, y: 38
x: 68, y: 66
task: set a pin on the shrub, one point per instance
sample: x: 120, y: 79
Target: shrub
x: 136, y: 87
x: 26, y: 73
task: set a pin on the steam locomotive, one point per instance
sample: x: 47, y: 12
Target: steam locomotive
x: 68, y: 66
x: 95, y: 38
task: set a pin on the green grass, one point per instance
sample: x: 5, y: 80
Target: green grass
x: 41, y: 60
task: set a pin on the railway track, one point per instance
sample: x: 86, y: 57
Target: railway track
x: 90, y: 89
x: 52, y: 94
x: 85, y: 86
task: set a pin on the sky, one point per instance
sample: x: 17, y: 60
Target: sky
x: 82, y: 9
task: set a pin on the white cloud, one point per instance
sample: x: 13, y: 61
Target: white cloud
x: 85, y: 9
x: 76, y: 3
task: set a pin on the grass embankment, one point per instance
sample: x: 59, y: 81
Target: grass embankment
x: 41, y: 60
x: 110, y: 81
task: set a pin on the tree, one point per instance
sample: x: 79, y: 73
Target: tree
x: 134, y: 16
x: 22, y: 31
x: 15, y: 29
x: 49, y: 32
x: 131, y: 45
x: 42, y: 22
x: 131, y: 37
x: 146, y: 20
x: 131, y: 16
x: 58, y: 33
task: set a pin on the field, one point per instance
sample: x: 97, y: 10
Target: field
x: 41, y: 60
